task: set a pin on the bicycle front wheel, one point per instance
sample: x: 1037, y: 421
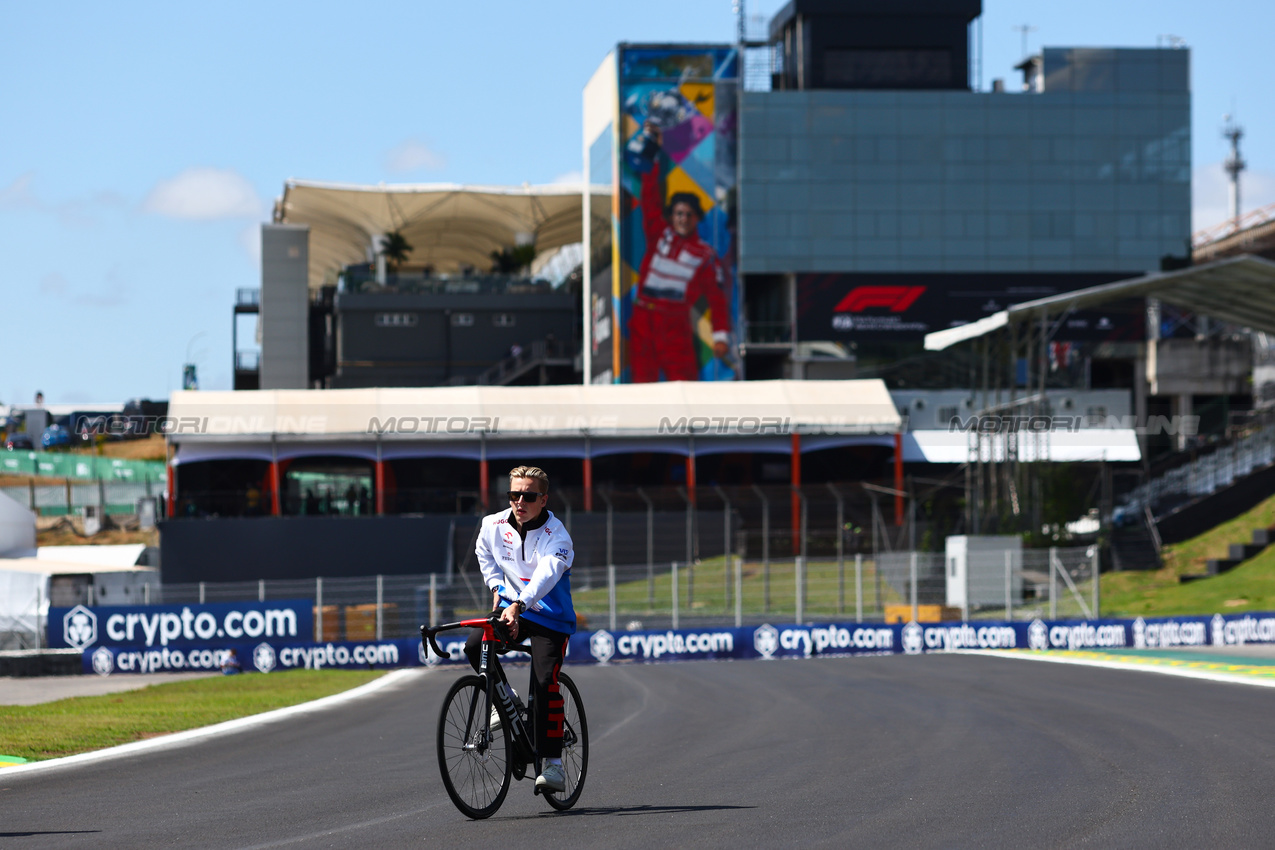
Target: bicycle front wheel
x: 575, y: 746
x: 475, y: 760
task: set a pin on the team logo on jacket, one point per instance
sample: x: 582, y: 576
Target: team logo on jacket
x: 509, y: 537
x: 766, y: 640
x: 601, y: 646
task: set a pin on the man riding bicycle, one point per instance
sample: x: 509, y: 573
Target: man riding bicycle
x: 525, y: 555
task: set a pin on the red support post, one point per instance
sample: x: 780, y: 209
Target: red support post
x: 588, y: 484
x: 796, y: 486
x: 171, y: 486
x: 484, y: 484
x: 275, y: 501
x: 380, y: 488
x: 898, y: 479
x: 690, y: 477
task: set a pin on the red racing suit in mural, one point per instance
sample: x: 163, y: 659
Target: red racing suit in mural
x: 676, y: 272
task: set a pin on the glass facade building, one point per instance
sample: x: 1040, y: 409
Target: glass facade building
x: 1086, y: 170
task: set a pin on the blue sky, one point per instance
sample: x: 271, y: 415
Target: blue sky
x: 144, y: 143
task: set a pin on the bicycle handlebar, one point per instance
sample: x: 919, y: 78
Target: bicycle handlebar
x: 497, y: 626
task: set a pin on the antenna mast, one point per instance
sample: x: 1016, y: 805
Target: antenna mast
x: 1234, y: 164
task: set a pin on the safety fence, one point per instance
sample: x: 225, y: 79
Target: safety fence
x: 67, y: 497
x: 896, y: 587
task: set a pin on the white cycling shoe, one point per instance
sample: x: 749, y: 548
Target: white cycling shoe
x: 554, y: 778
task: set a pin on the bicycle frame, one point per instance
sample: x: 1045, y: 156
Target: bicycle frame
x: 497, y: 688
x: 477, y: 762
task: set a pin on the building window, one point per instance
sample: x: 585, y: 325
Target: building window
x: 946, y: 415
x: 462, y: 320
x: 395, y: 320
x: 503, y: 320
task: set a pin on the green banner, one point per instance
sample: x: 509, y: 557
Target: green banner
x: 83, y: 467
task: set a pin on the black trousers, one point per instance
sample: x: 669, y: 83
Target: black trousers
x: 547, y: 649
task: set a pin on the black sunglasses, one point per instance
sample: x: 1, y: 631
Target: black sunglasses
x: 523, y: 495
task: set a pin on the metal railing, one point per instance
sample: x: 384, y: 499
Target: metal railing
x: 1053, y: 583
x: 1207, y: 474
x: 62, y: 499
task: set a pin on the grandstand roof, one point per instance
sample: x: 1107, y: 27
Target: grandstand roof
x: 1239, y: 290
x: 633, y: 417
x: 449, y: 225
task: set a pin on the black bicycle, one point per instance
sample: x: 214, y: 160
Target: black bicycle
x: 477, y: 757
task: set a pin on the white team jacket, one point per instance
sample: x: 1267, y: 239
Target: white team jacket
x: 536, y: 570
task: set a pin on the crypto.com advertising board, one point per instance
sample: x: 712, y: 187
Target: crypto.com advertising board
x: 675, y: 290
x: 163, y: 626
x: 767, y: 641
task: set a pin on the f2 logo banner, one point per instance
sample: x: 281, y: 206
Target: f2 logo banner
x: 896, y: 298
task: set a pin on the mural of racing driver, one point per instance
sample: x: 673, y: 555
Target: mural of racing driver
x: 677, y: 270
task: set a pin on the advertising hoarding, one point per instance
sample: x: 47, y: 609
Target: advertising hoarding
x: 899, y: 307
x: 84, y: 627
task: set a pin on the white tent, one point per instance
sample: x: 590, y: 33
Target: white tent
x: 17, y: 529
x: 29, y: 586
x: 448, y: 225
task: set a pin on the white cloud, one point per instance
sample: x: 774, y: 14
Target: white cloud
x: 205, y: 194
x: 571, y: 178
x: 412, y: 155
x: 1210, y: 201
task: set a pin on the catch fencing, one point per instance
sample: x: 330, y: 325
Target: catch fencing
x: 720, y: 591
x: 66, y: 498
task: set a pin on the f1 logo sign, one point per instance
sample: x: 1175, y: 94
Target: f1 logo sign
x: 896, y: 298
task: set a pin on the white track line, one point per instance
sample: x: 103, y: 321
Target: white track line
x: 181, y: 739
x: 1230, y: 678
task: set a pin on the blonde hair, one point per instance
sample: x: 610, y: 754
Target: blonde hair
x: 535, y: 473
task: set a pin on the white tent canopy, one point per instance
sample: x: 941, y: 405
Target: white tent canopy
x: 448, y: 225
x: 703, y: 411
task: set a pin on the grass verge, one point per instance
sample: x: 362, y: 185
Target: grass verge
x: 81, y: 724
x: 1158, y: 593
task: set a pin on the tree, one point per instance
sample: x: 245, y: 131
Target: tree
x: 513, y: 260
x: 395, y: 249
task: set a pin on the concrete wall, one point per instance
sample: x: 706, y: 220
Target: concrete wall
x: 285, y: 305
x: 418, y: 340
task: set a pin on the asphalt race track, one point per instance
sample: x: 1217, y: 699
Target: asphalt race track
x: 925, y: 751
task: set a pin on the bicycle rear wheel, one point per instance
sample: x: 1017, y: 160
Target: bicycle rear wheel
x: 476, y: 769
x: 575, y: 746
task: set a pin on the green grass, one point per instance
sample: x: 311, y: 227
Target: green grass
x: 1248, y: 587
x: 703, y: 591
x: 80, y: 724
